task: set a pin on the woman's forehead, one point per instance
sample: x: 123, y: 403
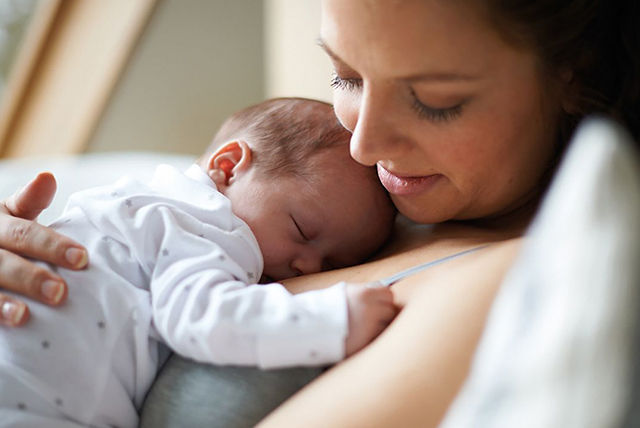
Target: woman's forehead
x: 396, y: 38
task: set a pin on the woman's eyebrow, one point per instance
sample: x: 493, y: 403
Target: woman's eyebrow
x: 434, y: 76
x: 326, y: 48
x: 440, y: 76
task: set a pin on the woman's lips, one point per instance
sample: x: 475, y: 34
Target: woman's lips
x: 399, y: 185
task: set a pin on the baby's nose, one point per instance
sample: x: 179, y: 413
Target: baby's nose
x: 306, y: 264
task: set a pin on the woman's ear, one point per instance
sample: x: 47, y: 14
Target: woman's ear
x: 228, y: 161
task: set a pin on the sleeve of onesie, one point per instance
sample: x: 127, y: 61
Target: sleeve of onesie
x: 203, y: 308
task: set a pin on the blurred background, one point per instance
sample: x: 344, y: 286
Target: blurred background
x: 80, y: 76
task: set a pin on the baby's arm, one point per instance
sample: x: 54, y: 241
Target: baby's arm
x: 199, y: 259
x: 204, y: 309
x: 211, y: 316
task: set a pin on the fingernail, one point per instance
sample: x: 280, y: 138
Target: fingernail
x: 77, y: 257
x: 53, y: 290
x: 13, y: 311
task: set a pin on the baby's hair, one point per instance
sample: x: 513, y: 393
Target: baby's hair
x: 283, y: 133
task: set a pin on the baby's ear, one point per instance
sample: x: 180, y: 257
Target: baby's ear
x: 227, y: 161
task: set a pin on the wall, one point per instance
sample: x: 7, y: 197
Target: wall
x: 200, y: 60
x: 197, y: 61
x: 295, y: 65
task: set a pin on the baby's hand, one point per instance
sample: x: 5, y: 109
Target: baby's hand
x: 371, y: 309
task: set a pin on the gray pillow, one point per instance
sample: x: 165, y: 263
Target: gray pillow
x: 188, y: 394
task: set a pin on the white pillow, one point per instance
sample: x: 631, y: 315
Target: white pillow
x: 558, y: 348
x: 79, y: 172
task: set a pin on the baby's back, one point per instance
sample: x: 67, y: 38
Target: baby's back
x: 91, y: 360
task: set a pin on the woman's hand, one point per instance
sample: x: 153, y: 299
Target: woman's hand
x: 20, y: 236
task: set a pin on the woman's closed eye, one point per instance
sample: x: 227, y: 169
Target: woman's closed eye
x: 436, y: 114
x: 433, y: 113
x: 348, y: 84
x: 423, y: 110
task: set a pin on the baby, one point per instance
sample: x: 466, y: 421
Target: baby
x: 176, y: 263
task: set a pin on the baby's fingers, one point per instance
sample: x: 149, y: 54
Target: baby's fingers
x: 30, y: 280
x: 13, y: 313
x: 386, y: 313
x: 377, y: 293
x: 384, y: 318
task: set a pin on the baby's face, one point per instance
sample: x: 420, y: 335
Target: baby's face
x: 336, y: 219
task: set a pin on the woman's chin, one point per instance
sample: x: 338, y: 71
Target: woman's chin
x: 421, y: 211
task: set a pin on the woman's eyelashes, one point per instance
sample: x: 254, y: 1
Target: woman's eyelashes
x: 338, y: 82
x: 435, y: 114
x: 424, y: 111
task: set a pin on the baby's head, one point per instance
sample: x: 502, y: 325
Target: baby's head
x: 286, y: 168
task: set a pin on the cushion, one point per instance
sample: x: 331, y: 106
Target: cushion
x: 188, y: 394
x: 558, y: 348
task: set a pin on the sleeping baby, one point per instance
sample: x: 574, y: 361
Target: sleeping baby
x: 188, y: 262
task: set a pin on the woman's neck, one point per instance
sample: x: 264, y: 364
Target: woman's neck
x: 515, y: 219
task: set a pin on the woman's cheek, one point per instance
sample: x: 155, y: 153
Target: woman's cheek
x: 346, y: 107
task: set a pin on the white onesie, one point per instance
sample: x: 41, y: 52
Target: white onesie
x: 169, y: 265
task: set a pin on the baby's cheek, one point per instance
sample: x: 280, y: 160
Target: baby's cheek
x: 275, y: 264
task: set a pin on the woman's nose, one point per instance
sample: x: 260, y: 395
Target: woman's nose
x: 375, y: 135
x: 307, y: 262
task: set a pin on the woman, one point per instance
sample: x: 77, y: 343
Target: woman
x: 465, y: 108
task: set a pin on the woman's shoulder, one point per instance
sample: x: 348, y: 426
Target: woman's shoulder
x: 413, y: 244
x: 481, y: 269
x: 433, y: 338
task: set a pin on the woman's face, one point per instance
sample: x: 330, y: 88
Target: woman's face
x: 458, y: 121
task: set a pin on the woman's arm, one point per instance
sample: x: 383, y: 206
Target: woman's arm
x: 411, y: 373
x: 21, y: 235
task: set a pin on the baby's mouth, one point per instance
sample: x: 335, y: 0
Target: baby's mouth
x: 265, y: 279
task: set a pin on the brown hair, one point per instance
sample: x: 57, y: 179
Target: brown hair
x: 283, y: 133
x: 598, y: 41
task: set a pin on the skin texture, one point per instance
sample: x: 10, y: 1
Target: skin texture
x: 461, y: 127
x: 440, y: 95
x: 410, y: 374
x: 19, y: 236
x: 480, y: 146
x: 336, y: 218
x: 484, y: 162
